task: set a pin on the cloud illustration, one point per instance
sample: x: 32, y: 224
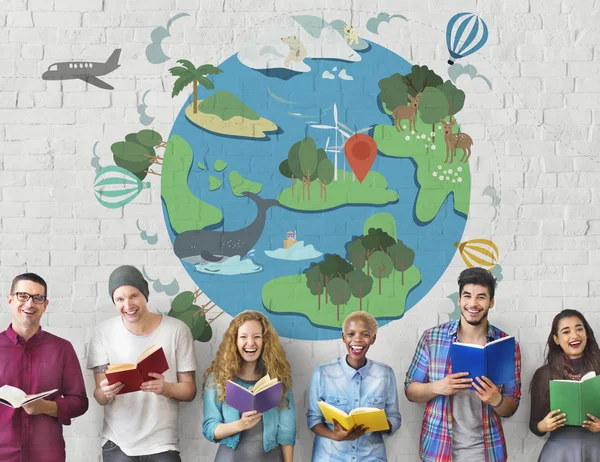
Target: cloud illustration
x: 457, y: 69
x: 145, y: 119
x: 373, y: 23
x: 154, y: 51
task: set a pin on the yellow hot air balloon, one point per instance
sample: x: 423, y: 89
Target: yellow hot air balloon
x: 478, y: 252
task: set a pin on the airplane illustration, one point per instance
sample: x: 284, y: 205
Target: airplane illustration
x: 84, y: 70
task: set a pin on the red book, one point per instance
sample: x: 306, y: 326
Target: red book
x: 133, y: 375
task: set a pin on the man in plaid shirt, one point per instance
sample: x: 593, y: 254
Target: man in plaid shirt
x: 460, y: 424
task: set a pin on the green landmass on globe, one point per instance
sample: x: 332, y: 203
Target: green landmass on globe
x: 239, y: 184
x: 225, y: 114
x: 344, y: 191
x: 376, y: 276
x: 436, y: 179
x: 214, y: 183
x: 185, y: 210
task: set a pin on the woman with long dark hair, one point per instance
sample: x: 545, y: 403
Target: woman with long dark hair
x: 572, y: 351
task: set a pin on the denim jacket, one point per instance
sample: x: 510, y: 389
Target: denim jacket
x: 338, y: 384
x: 279, y: 424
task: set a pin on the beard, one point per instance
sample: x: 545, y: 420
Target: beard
x: 476, y: 323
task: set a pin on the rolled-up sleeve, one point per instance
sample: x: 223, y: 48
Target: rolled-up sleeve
x: 286, y: 430
x: 418, y: 370
x: 392, y: 411
x: 313, y: 414
x: 213, y: 414
x: 73, y: 401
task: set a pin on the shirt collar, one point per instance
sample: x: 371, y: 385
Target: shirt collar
x: 15, y: 338
x: 350, y: 372
x: 453, y: 329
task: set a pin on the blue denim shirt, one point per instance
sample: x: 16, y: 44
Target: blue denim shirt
x: 279, y: 424
x: 336, y: 383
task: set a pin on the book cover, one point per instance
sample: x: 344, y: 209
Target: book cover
x: 495, y: 360
x: 132, y: 376
x: 265, y: 395
x: 576, y: 398
x: 15, y: 397
x: 369, y: 417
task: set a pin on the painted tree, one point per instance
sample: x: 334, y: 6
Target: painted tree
x: 420, y: 78
x: 433, y: 106
x: 138, y: 152
x: 187, y: 73
x: 403, y: 257
x: 374, y: 240
x: 340, y: 293
x: 454, y: 96
x: 334, y: 266
x: 315, y: 282
x: 381, y: 266
x: 394, y: 92
x: 284, y: 169
x: 325, y: 171
x: 360, y: 285
x: 356, y: 253
x: 309, y: 161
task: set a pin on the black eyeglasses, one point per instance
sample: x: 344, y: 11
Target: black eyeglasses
x: 24, y: 296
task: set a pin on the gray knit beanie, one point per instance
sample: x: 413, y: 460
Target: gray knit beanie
x: 127, y: 275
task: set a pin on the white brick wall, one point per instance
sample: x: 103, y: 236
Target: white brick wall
x: 537, y: 141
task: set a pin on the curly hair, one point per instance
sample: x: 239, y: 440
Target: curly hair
x: 228, y: 362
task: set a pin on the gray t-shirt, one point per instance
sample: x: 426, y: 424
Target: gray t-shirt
x: 142, y: 423
x: 467, y: 427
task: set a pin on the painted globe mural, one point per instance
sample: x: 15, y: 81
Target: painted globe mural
x: 313, y: 174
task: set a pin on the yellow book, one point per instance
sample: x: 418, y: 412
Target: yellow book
x: 371, y: 418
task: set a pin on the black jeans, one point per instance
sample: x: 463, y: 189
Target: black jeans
x: 112, y: 453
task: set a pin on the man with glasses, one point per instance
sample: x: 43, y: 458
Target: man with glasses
x: 36, y: 361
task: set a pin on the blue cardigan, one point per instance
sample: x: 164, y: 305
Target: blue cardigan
x: 279, y: 424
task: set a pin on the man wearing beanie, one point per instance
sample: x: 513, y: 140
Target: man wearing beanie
x: 141, y: 425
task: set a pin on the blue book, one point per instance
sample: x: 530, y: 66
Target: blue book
x: 495, y: 360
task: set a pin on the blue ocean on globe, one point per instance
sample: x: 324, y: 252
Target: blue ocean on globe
x: 295, y: 101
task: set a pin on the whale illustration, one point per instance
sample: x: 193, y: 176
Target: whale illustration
x: 204, y: 246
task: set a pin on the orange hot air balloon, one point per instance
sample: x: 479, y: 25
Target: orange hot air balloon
x: 478, y: 252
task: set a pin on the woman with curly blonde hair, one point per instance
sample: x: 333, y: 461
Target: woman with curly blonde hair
x: 249, y: 350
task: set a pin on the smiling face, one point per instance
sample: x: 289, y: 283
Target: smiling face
x: 250, y: 341
x: 475, y: 303
x: 26, y: 315
x: 571, y: 337
x: 358, y: 338
x: 130, y: 303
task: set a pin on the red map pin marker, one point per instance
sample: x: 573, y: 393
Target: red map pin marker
x: 360, y: 151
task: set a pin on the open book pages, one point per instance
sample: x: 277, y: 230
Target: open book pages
x: 589, y: 375
x: 360, y: 410
x: 125, y: 367
x: 261, y: 385
x: 474, y: 345
x: 15, y: 398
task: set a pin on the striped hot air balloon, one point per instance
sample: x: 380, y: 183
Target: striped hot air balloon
x: 115, y: 187
x: 478, y: 252
x: 465, y: 34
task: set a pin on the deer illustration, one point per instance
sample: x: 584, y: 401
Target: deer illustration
x: 407, y: 112
x: 456, y: 140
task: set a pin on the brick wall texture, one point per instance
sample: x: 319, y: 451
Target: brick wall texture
x: 536, y: 134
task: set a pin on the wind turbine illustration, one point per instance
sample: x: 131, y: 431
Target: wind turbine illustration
x: 345, y: 131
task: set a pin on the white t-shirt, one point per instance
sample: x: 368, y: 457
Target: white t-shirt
x: 142, y: 423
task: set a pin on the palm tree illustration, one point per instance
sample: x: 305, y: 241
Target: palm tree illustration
x: 187, y: 73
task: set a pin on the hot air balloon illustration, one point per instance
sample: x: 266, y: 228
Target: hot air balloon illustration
x: 478, y: 252
x: 465, y: 34
x: 115, y: 187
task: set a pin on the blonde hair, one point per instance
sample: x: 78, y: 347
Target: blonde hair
x: 369, y: 321
x: 228, y: 362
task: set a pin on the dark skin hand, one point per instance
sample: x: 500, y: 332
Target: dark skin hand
x: 339, y: 434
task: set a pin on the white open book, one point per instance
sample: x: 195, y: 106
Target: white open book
x: 15, y: 398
